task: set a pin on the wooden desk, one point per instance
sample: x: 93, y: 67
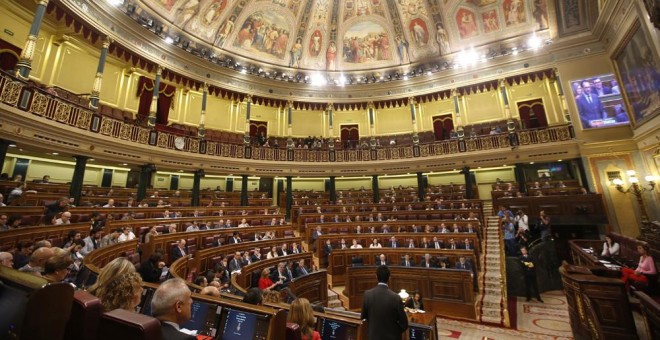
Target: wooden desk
x: 340, y: 259
x: 598, y: 307
x: 445, y: 291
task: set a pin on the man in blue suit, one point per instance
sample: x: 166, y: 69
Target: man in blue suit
x: 589, y: 106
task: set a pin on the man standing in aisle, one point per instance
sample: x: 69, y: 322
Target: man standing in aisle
x: 384, y: 310
x: 529, y: 271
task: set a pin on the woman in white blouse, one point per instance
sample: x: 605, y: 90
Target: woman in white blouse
x: 272, y: 253
x: 375, y: 244
x: 356, y: 245
x: 610, y: 248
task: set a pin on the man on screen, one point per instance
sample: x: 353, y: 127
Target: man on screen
x: 589, y: 106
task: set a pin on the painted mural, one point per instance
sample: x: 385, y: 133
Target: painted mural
x: 419, y: 31
x: 264, y: 32
x: 514, y: 12
x: 353, y: 8
x: 225, y: 30
x: 490, y: 22
x: 467, y: 23
x: 355, y: 34
x: 365, y: 42
x: 293, y: 5
x: 540, y: 13
x: 315, y: 43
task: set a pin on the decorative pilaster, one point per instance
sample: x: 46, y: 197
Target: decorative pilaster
x: 95, y: 95
x: 201, y: 131
x: 75, y: 190
x: 197, y: 179
x: 153, y: 109
x: 248, y: 107
x: 24, y: 64
x: 510, y: 124
x: 413, y: 115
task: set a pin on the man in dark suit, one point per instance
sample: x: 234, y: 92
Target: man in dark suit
x: 463, y: 264
x: 589, y: 105
x: 171, y: 305
x: 283, y: 250
x: 295, y: 248
x: 529, y: 271
x: 406, y: 261
x: 382, y: 260
x: 466, y: 245
x: 316, y: 234
x: 180, y: 250
x: 600, y: 89
x: 236, y: 263
x: 280, y: 274
x: 427, y: 262
x: 301, y: 269
x: 235, y: 238
x: 383, y: 309
x: 393, y: 242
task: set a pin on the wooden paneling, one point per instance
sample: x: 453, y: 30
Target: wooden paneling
x: 445, y: 291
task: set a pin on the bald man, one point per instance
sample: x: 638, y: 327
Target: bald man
x: 37, y: 261
x: 64, y: 219
x: 6, y: 259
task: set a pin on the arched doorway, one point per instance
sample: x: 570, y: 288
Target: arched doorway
x: 443, y: 125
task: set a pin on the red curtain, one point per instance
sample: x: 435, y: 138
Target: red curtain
x: 532, y: 114
x: 442, y: 126
x: 9, y: 55
x: 257, y: 127
x: 350, y: 135
x: 165, y: 99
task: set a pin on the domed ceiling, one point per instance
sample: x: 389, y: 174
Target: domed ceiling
x: 350, y: 35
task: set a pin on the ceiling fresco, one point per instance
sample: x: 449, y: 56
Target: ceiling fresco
x: 352, y: 34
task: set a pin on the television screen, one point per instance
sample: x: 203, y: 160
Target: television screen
x: 240, y: 325
x: 598, y: 101
x: 145, y: 304
x: 335, y: 330
x: 204, y: 318
x: 419, y: 332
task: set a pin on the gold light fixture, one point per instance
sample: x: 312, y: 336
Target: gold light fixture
x: 636, y: 189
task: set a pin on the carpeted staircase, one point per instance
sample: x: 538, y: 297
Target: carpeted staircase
x: 492, y: 304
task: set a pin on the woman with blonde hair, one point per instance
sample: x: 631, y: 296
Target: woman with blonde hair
x: 301, y: 312
x: 118, y: 286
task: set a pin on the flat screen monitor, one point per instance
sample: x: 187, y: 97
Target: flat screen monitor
x: 241, y: 325
x: 145, y: 303
x: 330, y: 329
x: 419, y: 332
x: 204, y: 318
x: 598, y: 101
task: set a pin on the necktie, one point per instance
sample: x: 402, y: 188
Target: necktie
x: 453, y: 246
x: 393, y: 245
x: 437, y: 245
x: 183, y: 252
x: 589, y: 99
x: 95, y: 244
x: 407, y: 264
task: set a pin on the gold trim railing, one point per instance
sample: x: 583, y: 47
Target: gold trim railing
x: 29, y: 98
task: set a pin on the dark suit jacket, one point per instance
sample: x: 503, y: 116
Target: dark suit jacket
x: 410, y: 263
x: 467, y: 265
x: 423, y: 264
x: 150, y: 272
x: 233, y: 240
x: 589, y: 111
x: 299, y: 272
x: 379, y: 263
x: 327, y: 250
x: 384, y: 311
x: 233, y: 266
x: 176, y: 253
x: 171, y: 333
x: 281, y: 253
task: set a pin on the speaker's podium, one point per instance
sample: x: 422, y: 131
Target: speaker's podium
x: 598, y: 303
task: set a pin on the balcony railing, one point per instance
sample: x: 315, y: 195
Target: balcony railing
x: 30, y: 98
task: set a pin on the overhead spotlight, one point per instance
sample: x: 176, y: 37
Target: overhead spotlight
x: 169, y: 40
x: 318, y: 79
x: 373, y: 79
x: 116, y: 3
x: 341, y: 80
x: 429, y: 73
x: 185, y: 45
x: 159, y: 29
x: 468, y: 58
x: 243, y: 70
x: 405, y: 77
x: 534, y: 42
x: 177, y: 39
x: 397, y: 75
x: 306, y: 79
